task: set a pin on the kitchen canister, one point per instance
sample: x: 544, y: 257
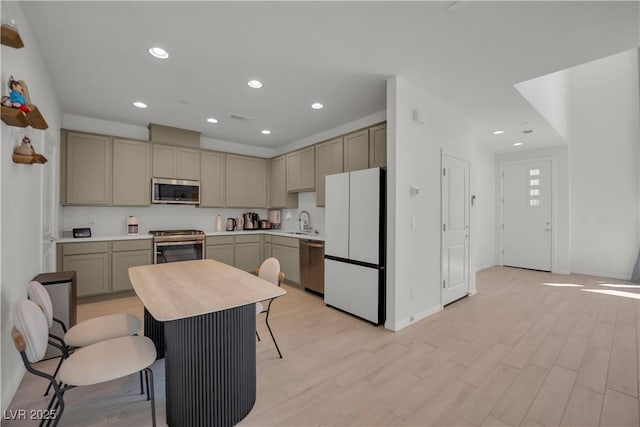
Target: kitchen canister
x: 219, y: 223
x: 132, y: 226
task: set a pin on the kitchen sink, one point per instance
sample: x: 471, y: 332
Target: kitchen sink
x: 298, y: 232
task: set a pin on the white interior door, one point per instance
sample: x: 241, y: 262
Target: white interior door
x: 526, y: 214
x: 455, y: 229
x: 364, y: 215
x: 48, y: 216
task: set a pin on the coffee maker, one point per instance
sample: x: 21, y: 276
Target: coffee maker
x: 251, y: 221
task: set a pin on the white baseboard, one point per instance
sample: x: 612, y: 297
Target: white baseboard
x: 413, y: 319
x: 12, y: 388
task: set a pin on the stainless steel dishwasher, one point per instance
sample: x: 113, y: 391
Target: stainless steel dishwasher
x: 312, y: 265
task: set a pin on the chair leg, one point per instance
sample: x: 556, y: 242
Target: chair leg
x: 46, y: 392
x: 150, y: 389
x: 258, y: 336
x: 141, y: 385
x: 269, y: 328
x: 146, y: 379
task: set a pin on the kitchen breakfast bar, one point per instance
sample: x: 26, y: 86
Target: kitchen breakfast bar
x: 207, y: 311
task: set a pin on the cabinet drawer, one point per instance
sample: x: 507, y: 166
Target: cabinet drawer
x: 285, y: 241
x: 251, y: 238
x: 131, y: 245
x: 84, y: 248
x: 219, y: 240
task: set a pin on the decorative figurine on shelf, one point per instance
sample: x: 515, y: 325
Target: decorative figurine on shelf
x: 19, y: 95
x: 25, y: 148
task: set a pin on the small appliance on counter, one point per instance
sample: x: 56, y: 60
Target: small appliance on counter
x: 81, y: 232
x: 239, y: 223
x: 231, y: 224
x: 263, y: 224
x: 274, y: 219
x: 133, y: 226
x: 251, y: 221
x: 219, y: 222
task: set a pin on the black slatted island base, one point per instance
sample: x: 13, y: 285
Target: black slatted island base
x: 206, y: 309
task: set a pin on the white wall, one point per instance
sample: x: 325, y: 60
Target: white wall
x: 484, y: 239
x: 21, y: 199
x: 603, y: 153
x: 414, y: 158
x: 560, y: 241
x: 307, y: 202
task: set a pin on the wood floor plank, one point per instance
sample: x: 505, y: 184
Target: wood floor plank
x: 584, y: 325
x: 583, y: 408
x: 594, y: 368
x: 515, y: 402
x: 549, y: 405
x: 548, y: 351
x: 602, y: 335
x: 623, y: 376
x: 484, y: 364
x: 444, y: 401
x: 619, y: 409
x: 573, y: 352
x: 624, y: 337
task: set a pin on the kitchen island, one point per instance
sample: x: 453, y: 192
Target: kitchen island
x: 207, y: 311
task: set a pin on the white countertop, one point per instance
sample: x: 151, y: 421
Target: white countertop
x: 310, y: 236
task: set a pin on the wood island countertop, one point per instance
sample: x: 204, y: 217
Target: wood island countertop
x: 179, y: 290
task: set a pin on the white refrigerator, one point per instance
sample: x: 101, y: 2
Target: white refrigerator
x: 355, y: 244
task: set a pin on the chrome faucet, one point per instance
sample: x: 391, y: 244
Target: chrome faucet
x: 304, y: 225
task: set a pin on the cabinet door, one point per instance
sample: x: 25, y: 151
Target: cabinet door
x: 293, y: 171
x: 248, y: 256
x: 267, y: 251
x: 378, y: 146
x: 308, y: 169
x: 277, y: 182
x: 212, y: 179
x: 257, y: 171
x: 121, y: 261
x: 93, y: 273
x: 236, y: 182
x: 222, y: 253
x: 88, y: 169
x: 356, y: 151
x: 131, y: 173
x: 328, y: 162
x: 289, y: 258
x: 187, y: 164
x: 164, y: 161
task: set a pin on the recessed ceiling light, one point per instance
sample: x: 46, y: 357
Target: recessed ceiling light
x: 140, y: 104
x: 517, y: 144
x: 317, y: 106
x: 498, y: 132
x: 212, y: 120
x: 256, y: 84
x: 159, y: 53
x: 266, y: 132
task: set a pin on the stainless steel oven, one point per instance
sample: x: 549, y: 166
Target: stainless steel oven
x: 177, y: 245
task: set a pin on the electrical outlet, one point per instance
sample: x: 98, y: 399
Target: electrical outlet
x: 92, y: 219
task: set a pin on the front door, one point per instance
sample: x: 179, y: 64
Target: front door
x: 455, y: 229
x: 526, y: 214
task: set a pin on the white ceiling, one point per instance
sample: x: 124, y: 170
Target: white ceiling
x: 468, y: 54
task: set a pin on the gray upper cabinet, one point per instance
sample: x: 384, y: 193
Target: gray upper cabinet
x: 175, y: 162
x: 301, y: 170
x: 356, y: 151
x: 279, y: 197
x: 131, y: 173
x: 378, y: 146
x: 86, y: 169
x: 328, y: 162
x: 211, y: 179
x: 245, y: 182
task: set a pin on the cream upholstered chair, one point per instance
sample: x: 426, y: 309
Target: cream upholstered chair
x: 269, y: 270
x: 94, y: 364
x: 84, y: 333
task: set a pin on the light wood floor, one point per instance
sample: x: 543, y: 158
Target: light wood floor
x: 529, y: 349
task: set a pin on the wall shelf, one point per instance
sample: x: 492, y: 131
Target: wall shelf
x: 29, y: 159
x: 16, y: 117
x: 11, y: 37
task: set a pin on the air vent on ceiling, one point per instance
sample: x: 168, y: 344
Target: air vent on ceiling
x: 240, y: 117
x: 527, y: 131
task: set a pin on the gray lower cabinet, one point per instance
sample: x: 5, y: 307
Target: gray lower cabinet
x: 248, y: 252
x: 92, y: 264
x: 286, y: 250
x: 266, y: 249
x: 128, y: 253
x: 100, y: 269
x: 220, y: 248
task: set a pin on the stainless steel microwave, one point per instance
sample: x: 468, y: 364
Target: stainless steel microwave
x: 175, y: 191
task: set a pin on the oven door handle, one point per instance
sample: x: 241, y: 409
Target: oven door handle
x: 197, y: 242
